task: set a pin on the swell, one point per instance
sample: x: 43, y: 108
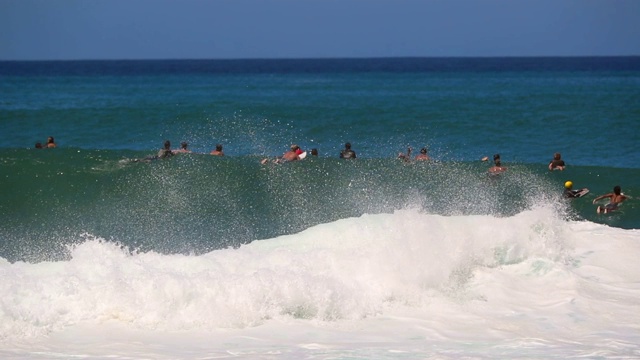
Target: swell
x: 196, y: 203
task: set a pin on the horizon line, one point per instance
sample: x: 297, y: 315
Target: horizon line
x: 328, y: 58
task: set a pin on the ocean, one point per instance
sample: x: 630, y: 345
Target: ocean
x: 106, y: 255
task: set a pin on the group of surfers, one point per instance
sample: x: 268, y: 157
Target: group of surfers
x: 615, y: 198
x: 296, y: 153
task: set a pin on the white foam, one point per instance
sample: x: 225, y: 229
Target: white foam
x: 403, y: 283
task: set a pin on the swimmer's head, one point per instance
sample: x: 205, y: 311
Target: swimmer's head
x: 423, y: 151
x: 617, y: 190
x: 568, y: 185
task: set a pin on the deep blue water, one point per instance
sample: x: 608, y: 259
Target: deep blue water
x: 298, y: 66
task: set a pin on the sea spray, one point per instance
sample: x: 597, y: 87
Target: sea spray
x: 348, y: 269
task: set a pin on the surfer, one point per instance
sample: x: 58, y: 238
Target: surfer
x: 218, y: 151
x: 570, y: 193
x: 423, y: 155
x: 163, y: 153
x: 347, y: 153
x: 497, y: 168
x: 183, y: 148
x: 406, y: 157
x: 615, y: 199
x: 292, y: 154
x: 166, y: 151
x: 50, y: 142
x: 557, y: 163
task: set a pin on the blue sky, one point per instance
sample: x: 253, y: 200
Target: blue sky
x: 231, y: 29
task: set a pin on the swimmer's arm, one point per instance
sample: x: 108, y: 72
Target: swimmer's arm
x: 600, y: 198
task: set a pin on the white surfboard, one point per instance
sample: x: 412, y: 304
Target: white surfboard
x: 303, y: 155
x: 582, y: 192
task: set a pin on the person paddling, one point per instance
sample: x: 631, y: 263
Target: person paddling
x: 615, y: 199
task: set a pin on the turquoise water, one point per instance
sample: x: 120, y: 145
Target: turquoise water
x: 104, y: 112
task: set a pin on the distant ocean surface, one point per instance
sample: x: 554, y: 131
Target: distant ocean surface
x: 369, y: 258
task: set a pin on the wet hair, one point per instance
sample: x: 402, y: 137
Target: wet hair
x: 556, y: 156
x: 423, y: 151
x: 50, y: 140
x: 38, y: 145
x: 167, y: 144
x: 347, y: 146
x: 218, y: 147
x: 497, y: 162
x: 496, y: 157
x: 314, y: 151
x: 184, y: 144
x: 617, y: 190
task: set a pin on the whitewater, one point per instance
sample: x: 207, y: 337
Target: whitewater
x: 402, y: 285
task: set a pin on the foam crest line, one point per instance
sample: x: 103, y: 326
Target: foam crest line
x: 347, y: 269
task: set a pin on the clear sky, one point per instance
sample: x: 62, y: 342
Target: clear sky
x: 232, y: 29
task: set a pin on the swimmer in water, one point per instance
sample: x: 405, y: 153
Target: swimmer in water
x: 423, y: 155
x: 218, y: 151
x: 183, y: 148
x: 292, y: 155
x: 497, y: 168
x: 557, y: 163
x: 347, y: 153
x: 615, y: 199
x: 569, y: 192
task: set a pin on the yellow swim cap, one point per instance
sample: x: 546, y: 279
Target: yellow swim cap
x: 568, y: 185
